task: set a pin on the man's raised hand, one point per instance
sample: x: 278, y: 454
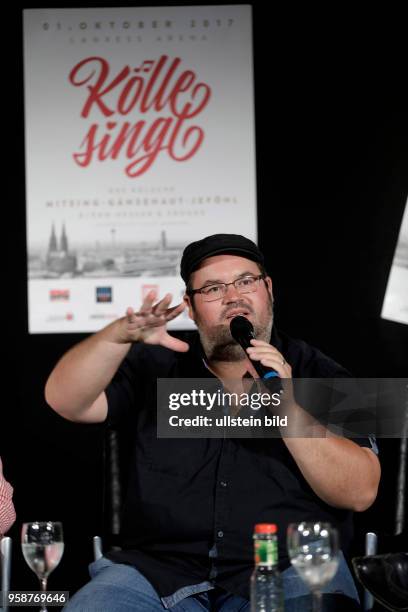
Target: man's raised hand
x: 149, y: 323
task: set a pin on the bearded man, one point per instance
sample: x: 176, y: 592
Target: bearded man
x: 191, y: 504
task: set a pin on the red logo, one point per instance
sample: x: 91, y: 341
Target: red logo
x: 60, y: 295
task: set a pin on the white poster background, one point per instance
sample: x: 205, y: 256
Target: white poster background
x: 395, y: 307
x: 99, y: 237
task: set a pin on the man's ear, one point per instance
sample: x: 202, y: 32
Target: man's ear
x: 188, y: 302
x: 268, y: 282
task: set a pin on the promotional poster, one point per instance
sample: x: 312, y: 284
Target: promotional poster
x: 139, y: 136
x: 395, y: 307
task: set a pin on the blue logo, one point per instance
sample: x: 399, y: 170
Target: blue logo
x: 104, y: 294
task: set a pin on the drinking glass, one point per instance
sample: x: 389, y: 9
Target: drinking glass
x: 314, y: 552
x: 43, y: 546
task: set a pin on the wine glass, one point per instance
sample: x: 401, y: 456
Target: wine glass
x: 314, y: 552
x: 43, y: 546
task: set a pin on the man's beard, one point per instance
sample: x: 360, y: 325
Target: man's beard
x: 219, y: 345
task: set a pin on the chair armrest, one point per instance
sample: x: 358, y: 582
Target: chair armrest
x: 97, y: 547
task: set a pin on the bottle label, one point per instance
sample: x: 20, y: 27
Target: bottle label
x: 266, y: 552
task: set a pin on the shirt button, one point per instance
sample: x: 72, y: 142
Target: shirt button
x: 220, y: 534
x: 223, y: 483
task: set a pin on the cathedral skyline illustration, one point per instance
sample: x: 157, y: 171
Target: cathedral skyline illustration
x: 59, y: 258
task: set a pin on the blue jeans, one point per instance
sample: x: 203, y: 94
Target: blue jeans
x: 116, y: 587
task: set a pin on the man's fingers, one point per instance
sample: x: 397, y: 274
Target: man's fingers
x: 156, y: 315
x: 256, y: 342
x: 172, y: 313
x: 147, y: 303
x: 158, y: 309
x: 262, y: 350
x: 161, y: 307
x: 271, y: 362
x: 283, y: 369
x: 263, y: 353
x: 130, y: 314
x: 269, y: 357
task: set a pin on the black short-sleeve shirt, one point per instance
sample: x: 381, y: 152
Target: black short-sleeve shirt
x: 187, y: 497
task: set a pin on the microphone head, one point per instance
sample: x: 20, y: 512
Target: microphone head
x: 241, y: 327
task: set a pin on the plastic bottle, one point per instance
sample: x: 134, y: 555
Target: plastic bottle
x: 266, y: 581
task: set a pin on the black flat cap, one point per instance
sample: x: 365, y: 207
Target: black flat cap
x: 217, y: 244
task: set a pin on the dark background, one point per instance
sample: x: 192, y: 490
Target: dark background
x: 332, y: 180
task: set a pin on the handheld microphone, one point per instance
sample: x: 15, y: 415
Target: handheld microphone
x: 242, y: 331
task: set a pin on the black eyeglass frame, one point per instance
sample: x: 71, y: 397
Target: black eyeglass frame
x: 259, y: 277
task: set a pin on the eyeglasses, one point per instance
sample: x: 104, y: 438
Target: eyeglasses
x: 246, y: 284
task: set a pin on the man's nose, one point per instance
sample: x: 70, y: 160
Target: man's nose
x: 231, y: 294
